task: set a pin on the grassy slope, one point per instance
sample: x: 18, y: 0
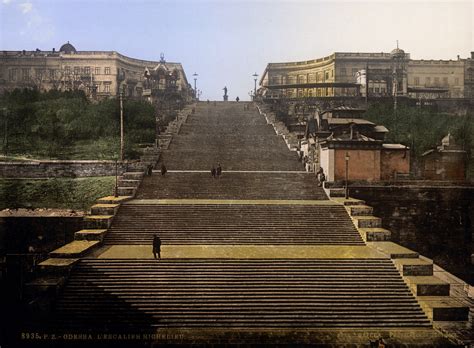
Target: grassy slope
x: 79, y: 193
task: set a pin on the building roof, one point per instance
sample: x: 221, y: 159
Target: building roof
x: 67, y: 48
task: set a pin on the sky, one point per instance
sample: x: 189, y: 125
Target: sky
x: 226, y: 42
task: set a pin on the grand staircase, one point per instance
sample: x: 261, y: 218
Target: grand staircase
x: 117, y: 294
x: 262, y: 200
x: 233, y: 224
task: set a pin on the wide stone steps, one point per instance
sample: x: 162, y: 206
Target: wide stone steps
x: 233, y: 224
x: 209, y: 293
x: 231, y: 185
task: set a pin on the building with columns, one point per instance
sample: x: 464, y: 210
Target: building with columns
x: 100, y: 74
x: 346, y: 74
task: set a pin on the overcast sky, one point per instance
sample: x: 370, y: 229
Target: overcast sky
x: 225, y: 42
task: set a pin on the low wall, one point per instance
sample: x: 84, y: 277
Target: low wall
x: 436, y: 221
x: 51, y: 169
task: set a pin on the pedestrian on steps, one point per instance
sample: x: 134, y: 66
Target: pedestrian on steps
x: 149, y: 169
x: 163, y: 169
x: 218, y: 171
x: 156, y: 246
x: 213, y: 172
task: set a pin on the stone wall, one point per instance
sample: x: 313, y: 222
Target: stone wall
x: 58, y: 168
x: 435, y: 221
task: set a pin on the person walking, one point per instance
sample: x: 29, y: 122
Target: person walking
x: 156, y: 246
x: 163, y: 169
x: 218, y: 171
x: 213, y: 172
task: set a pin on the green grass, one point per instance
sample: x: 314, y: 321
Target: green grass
x: 77, y: 194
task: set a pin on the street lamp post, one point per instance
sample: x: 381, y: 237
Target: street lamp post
x: 347, y: 175
x: 195, y: 79
x: 122, y: 143
x: 255, y: 85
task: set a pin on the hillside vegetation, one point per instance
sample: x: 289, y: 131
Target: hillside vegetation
x: 66, y: 125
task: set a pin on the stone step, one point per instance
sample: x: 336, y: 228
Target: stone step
x: 97, y: 221
x: 75, y: 249
x: 98, y: 235
x: 337, y: 192
x: 394, y: 251
x: 57, y: 265
x: 444, y: 308
x: 113, y: 199
x: 348, y: 202
x: 126, y: 191
x: 375, y: 234
x: 104, y: 209
x: 360, y: 210
x: 414, y: 267
x: 128, y: 183
x: 428, y: 286
x: 367, y: 221
x: 133, y: 175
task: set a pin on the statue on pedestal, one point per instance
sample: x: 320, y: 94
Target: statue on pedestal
x: 226, y: 97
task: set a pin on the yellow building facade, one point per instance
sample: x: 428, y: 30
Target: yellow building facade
x: 100, y: 74
x: 345, y: 74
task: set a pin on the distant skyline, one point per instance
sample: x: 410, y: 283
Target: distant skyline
x: 226, y: 42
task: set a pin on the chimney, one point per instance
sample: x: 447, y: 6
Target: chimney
x: 472, y: 55
x: 458, y: 57
x: 54, y: 50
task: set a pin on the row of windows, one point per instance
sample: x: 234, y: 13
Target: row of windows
x: 316, y: 77
x: 24, y: 74
x: 86, y: 70
x: 354, y: 71
x: 435, y: 81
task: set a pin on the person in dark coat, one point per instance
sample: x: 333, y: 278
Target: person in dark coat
x: 156, y: 246
x: 163, y: 169
x: 149, y: 169
x: 218, y: 170
x: 213, y: 172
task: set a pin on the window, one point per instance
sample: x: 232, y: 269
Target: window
x: 77, y: 70
x: 97, y: 70
x: 52, y: 74
x: 25, y: 74
x: 417, y: 81
x: 332, y: 73
x: 326, y: 75
x: 343, y: 71
x: 87, y: 70
x: 456, y: 81
x: 68, y: 70
x: 377, y: 90
x: 445, y: 81
x: 12, y: 74
x: 107, y: 88
x: 354, y: 71
x: 428, y: 80
x: 436, y: 81
x: 107, y: 71
x: 382, y: 90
